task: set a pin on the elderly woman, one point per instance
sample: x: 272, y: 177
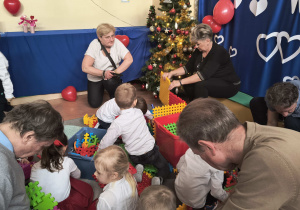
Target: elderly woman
x: 103, y: 68
x: 210, y: 68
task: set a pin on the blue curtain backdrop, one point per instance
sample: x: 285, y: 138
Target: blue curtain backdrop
x: 264, y: 45
x: 49, y: 61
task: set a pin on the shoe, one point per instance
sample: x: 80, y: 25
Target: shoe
x: 156, y: 180
x: 139, y: 172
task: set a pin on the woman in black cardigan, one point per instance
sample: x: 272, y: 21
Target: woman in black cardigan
x: 210, y: 68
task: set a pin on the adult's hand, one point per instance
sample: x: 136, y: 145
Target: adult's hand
x: 174, y: 84
x: 108, y: 74
x: 167, y: 75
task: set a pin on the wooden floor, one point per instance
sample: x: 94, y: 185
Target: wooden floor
x: 72, y: 110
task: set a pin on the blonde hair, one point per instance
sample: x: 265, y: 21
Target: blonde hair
x: 105, y: 28
x: 200, y: 32
x: 125, y: 95
x: 114, y: 159
x: 157, y: 197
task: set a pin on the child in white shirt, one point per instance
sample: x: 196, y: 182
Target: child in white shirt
x: 58, y: 175
x: 131, y: 125
x: 196, y: 179
x: 6, y: 87
x: 108, y: 112
x: 120, y: 192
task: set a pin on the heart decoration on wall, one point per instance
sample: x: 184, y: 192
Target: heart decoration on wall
x: 12, y: 6
x: 232, y: 51
x: 124, y: 39
x: 258, y: 7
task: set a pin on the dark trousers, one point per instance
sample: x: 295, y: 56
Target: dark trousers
x: 96, y: 90
x: 154, y: 158
x: 210, y: 201
x: 4, y: 107
x: 259, y: 110
x: 103, y: 125
x: 214, y: 87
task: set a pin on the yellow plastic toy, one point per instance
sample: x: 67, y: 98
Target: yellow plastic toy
x: 90, y: 121
x: 164, y: 90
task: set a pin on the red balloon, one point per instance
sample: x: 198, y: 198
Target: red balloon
x: 13, y: 6
x: 223, y: 12
x: 69, y: 93
x: 124, y: 39
x: 215, y: 27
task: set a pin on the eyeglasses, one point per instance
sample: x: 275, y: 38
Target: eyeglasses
x: 108, y: 37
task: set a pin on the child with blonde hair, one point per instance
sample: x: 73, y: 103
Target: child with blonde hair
x: 157, y: 197
x: 59, y: 175
x: 120, y: 192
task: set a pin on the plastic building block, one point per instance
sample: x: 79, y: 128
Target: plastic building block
x: 34, y: 193
x: 47, y: 203
x: 164, y: 90
x: 173, y: 99
x: 170, y: 146
x: 90, y: 121
x: 150, y: 169
x: 146, y: 182
x: 56, y: 208
x: 184, y: 207
x: 168, y: 110
x: 26, y: 169
x: 172, y: 128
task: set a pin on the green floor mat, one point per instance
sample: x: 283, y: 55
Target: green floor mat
x: 242, y: 98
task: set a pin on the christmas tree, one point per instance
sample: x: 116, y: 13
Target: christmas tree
x: 151, y: 16
x: 170, y: 33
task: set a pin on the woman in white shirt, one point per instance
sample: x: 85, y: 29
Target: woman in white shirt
x: 102, y: 72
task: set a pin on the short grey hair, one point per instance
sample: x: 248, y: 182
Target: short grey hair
x: 201, y: 32
x: 205, y: 119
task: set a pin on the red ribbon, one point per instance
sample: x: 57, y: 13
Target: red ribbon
x: 23, y: 18
x: 58, y: 143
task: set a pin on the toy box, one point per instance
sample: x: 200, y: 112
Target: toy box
x: 84, y: 163
x: 170, y: 146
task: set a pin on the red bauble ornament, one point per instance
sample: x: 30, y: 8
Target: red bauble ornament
x: 150, y: 67
x: 159, y: 46
x: 143, y: 87
x: 155, y: 96
x: 190, y: 56
x: 124, y: 39
x: 172, y: 11
x: 182, y: 31
x: 186, y: 33
x: 69, y: 93
x: 178, y: 31
x: 158, y: 29
x: 173, y: 62
x: 174, y: 56
x: 13, y: 6
x: 180, y: 64
x: 160, y: 66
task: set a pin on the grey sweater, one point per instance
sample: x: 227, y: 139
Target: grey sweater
x: 12, y: 182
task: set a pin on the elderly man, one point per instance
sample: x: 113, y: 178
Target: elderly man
x: 268, y: 157
x: 25, y: 131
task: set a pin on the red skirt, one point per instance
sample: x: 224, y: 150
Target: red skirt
x: 80, y: 198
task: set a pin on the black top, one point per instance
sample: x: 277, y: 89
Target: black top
x: 216, y: 64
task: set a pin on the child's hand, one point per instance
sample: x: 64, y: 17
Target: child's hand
x: 24, y: 161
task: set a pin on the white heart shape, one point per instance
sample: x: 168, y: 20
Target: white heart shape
x: 287, y: 36
x: 274, y: 34
x: 237, y: 3
x: 232, y: 50
x: 219, y: 37
x: 286, y: 78
x: 258, y: 7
